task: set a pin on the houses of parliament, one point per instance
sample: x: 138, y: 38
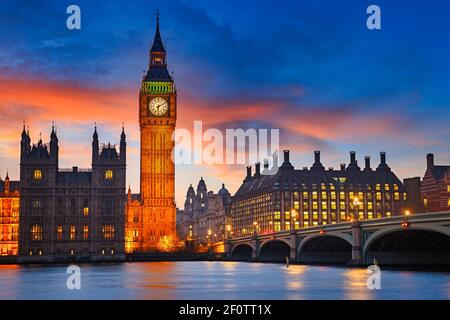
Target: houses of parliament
x: 88, y: 214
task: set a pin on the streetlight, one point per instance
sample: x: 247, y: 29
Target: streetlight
x: 294, y: 218
x: 405, y: 223
x: 228, y: 228
x: 255, y: 227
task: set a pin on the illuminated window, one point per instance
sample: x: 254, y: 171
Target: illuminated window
x: 86, y: 211
x: 287, y: 225
x: 396, y: 196
x: 305, y: 195
x: 388, y: 196
x: 85, y: 232
x: 305, y: 215
x: 315, y: 215
x: 386, y: 187
x: 315, y: 223
x: 37, y: 174
x: 276, y: 215
x: 314, y: 195
x: 36, y: 232
x: 342, y: 195
x: 342, y: 205
x: 324, y: 205
x: 378, y: 195
x: 425, y: 202
x: 333, y: 205
x: 297, y: 224
x: 72, y: 231
x: 370, y: 205
x: 72, y: 252
x: 333, y: 196
x: 108, y: 175
x: 305, y: 205
x: 448, y: 203
x: 305, y: 224
x: 378, y: 187
x: 287, y: 215
x: 324, y: 216
x: 315, y: 205
x: 36, y: 203
x: 369, y: 215
x: 405, y: 196
x: 59, y: 233
x: 361, y: 215
x: 277, y: 226
x: 448, y: 188
x: 108, y: 232
x: 324, y: 195
x: 395, y: 187
x: 296, y: 205
x: 342, y: 215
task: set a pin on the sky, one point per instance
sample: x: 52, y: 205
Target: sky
x: 309, y: 68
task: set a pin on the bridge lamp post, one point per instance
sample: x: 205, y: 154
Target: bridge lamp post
x: 228, y: 231
x: 294, y: 218
x: 255, y: 227
x: 405, y: 223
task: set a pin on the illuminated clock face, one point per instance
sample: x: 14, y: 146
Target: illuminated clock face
x: 158, y: 106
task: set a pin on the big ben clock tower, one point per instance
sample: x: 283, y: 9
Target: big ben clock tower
x: 157, y: 118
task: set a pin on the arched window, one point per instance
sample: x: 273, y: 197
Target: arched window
x: 37, y: 174
x: 108, y: 175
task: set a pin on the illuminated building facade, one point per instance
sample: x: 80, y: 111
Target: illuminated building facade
x: 74, y: 213
x: 206, y: 215
x: 151, y: 215
x: 9, y: 217
x: 435, y: 187
x: 293, y: 199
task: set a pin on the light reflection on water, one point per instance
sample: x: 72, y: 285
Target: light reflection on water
x: 217, y: 280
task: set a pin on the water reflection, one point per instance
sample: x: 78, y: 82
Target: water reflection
x: 216, y: 280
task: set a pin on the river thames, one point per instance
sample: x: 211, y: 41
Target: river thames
x: 217, y: 280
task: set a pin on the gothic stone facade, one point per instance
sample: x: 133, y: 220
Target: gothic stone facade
x: 71, y: 214
x: 205, y: 216
x: 151, y: 215
x: 9, y: 217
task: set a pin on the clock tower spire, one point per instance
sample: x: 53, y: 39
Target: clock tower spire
x: 155, y: 227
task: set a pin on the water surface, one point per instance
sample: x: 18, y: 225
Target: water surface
x: 217, y: 280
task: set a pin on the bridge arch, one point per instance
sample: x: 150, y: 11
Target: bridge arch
x: 415, y: 245
x: 327, y: 248
x: 274, y: 250
x: 242, y: 251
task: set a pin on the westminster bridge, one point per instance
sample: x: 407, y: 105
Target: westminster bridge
x: 417, y: 239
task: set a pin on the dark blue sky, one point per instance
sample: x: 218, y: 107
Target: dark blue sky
x: 332, y: 84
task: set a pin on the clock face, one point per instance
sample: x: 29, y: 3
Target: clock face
x: 158, y: 106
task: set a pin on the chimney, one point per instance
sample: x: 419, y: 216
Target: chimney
x: 367, y: 167
x: 430, y: 161
x: 317, y: 156
x: 249, y: 171
x: 342, y: 166
x: 257, y: 169
x: 266, y: 163
x: 286, y: 156
x: 353, y: 157
x: 75, y: 169
x: 383, y: 158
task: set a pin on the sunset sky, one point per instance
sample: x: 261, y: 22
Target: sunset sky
x: 310, y: 68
